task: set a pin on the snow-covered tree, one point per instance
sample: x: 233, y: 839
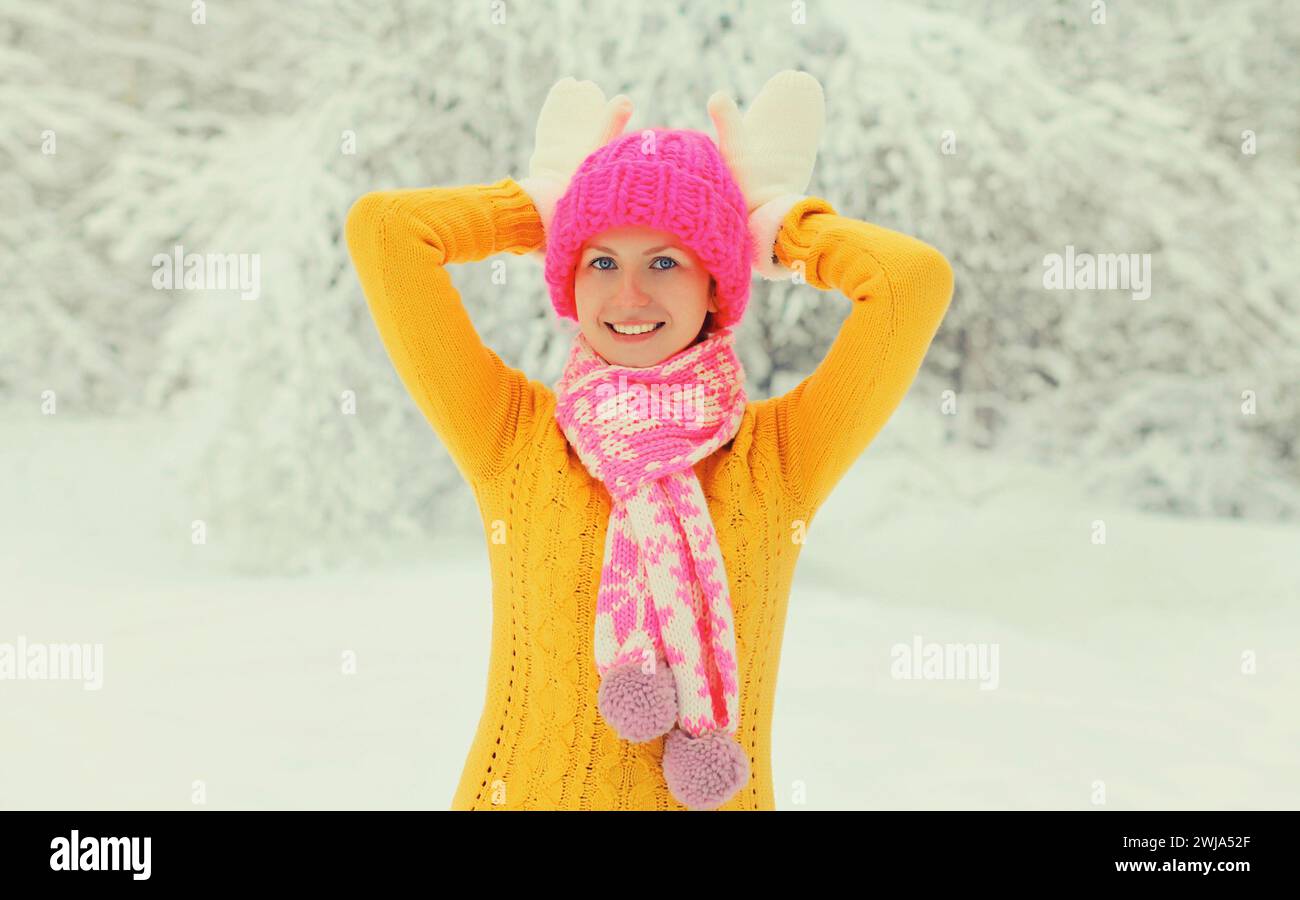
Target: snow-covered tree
x: 1000, y: 133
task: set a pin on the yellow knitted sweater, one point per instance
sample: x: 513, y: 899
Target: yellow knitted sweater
x: 541, y: 743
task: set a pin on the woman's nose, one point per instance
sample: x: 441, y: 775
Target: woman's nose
x: 631, y: 293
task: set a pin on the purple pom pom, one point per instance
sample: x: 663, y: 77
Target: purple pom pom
x: 704, y: 772
x: 638, y: 706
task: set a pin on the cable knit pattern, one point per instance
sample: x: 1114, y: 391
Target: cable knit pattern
x: 540, y: 742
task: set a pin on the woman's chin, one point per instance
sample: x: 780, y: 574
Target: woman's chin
x: 639, y: 356
x: 631, y: 361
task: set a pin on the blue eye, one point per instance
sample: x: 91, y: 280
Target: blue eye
x: 668, y: 259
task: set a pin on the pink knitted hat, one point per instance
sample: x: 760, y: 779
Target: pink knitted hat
x: 671, y: 180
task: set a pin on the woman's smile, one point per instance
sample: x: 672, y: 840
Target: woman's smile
x: 634, y: 332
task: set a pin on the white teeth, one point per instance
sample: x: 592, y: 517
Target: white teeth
x: 633, y: 329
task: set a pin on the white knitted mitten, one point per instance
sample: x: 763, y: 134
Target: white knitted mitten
x: 771, y: 152
x: 575, y: 120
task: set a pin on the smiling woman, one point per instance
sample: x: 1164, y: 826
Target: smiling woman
x: 650, y: 244
x: 543, y: 740
x: 641, y: 295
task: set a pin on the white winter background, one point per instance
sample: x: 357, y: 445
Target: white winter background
x: 1156, y: 669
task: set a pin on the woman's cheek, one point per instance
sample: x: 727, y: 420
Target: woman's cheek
x: 591, y: 285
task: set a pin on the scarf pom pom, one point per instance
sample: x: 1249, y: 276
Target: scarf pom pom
x: 639, y: 706
x: 706, y: 771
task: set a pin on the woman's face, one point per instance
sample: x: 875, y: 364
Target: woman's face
x: 641, y: 280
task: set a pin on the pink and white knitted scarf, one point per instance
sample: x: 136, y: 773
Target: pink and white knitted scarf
x: 663, y: 587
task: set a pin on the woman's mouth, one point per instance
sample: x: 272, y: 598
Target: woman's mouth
x: 633, y: 332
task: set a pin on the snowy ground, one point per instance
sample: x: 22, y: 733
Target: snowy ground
x: 1118, y: 663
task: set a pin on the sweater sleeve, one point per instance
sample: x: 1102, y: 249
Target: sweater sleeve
x: 401, y: 242
x: 900, y: 289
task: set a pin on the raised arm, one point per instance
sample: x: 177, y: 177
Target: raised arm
x: 900, y: 289
x: 401, y: 242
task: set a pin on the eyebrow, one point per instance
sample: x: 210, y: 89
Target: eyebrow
x: 646, y: 253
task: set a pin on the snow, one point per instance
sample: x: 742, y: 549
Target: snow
x: 336, y: 523
x: 254, y: 133
x: 1118, y: 662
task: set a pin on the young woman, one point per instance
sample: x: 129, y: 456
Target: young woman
x: 640, y: 516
